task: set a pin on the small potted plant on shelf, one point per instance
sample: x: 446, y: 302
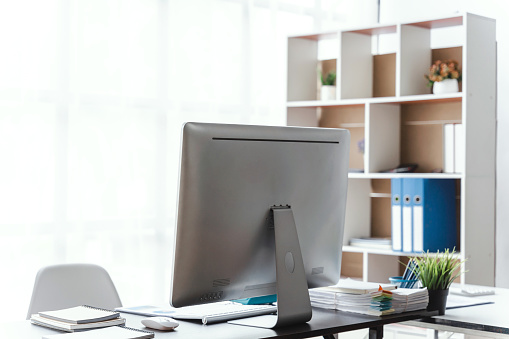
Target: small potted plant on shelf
x: 436, y: 272
x: 444, y: 76
x: 328, y: 91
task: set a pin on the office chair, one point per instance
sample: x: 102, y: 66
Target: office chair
x: 69, y: 285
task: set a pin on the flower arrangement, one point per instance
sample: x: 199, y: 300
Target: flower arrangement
x: 438, y: 271
x: 442, y: 70
x: 329, y: 80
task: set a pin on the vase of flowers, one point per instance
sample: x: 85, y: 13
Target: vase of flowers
x: 328, y: 90
x: 444, y: 77
x: 436, y: 272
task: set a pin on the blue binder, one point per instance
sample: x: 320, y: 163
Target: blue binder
x: 396, y: 195
x: 433, y: 214
x: 407, y: 216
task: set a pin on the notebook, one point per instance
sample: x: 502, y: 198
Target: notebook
x: 68, y: 327
x: 113, y: 332
x: 80, y: 314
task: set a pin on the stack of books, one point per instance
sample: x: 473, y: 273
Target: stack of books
x: 77, y: 318
x: 368, y: 298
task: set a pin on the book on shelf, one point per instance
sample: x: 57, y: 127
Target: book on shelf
x: 77, y: 318
x: 454, y: 148
x: 113, y: 332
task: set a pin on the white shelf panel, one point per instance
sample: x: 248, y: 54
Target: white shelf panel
x: 405, y: 175
x: 406, y: 99
x: 366, y: 250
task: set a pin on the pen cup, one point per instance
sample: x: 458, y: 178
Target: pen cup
x: 403, y: 283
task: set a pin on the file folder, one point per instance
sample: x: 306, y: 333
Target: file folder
x: 396, y: 190
x: 433, y: 214
x: 407, y: 217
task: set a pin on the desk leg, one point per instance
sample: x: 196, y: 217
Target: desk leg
x: 376, y: 332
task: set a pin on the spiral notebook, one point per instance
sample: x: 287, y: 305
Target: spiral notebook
x: 113, y: 332
x: 68, y: 327
x: 80, y: 314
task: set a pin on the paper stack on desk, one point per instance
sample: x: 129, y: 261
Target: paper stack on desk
x: 373, y: 303
x: 409, y: 299
x: 366, y: 299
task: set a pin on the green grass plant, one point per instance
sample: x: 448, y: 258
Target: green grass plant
x: 437, y: 271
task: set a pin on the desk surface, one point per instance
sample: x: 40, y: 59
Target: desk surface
x: 482, y: 320
x: 324, y: 322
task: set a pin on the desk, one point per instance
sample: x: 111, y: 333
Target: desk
x: 491, y: 320
x: 324, y: 323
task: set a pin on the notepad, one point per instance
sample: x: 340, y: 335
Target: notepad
x: 114, y: 332
x: 80, y: 314
x: 68, y: 327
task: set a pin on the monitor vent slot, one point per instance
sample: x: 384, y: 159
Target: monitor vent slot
x: 317, y: 270
x: 221, y: 282
x: 259, y: 286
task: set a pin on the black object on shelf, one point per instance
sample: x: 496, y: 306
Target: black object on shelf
x: 402, y: 168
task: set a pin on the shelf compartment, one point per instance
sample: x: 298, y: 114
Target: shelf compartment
x: 383, y: 139
x: 303, y: 61
x: 324, y: 67
x: 380, y: 208
x: 422, y: 133
x: 416, y: 56
x: 368, y: 213
x: 352, y: 118
x: 352, y: 265
x: 363, y: 74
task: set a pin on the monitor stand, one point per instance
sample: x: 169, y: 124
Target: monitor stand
x: 293, y: 305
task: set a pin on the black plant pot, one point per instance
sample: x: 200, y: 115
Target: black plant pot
x: 437, y: 300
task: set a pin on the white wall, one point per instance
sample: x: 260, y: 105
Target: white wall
x: 409, y: 10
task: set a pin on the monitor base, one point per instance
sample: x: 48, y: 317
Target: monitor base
x: 293, y: 304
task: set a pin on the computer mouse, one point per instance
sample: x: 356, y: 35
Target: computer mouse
x: 160, y: 323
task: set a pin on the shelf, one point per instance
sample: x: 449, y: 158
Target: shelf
x: 384, y: 102
x: 366, y: 250
x: 407, y: 99
x: 405, y: 175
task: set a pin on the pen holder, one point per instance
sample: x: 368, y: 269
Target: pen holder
x: 403, y: 283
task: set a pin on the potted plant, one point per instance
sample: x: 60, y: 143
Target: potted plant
x: 436, y: 272
x: 444, y: 76
x: 328, y: 91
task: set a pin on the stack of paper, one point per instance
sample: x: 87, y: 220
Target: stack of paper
x: 373, y: 303
x: 354, y: 296
x: 407, y: 299
x: 77, y: 318
x: 361, y: 297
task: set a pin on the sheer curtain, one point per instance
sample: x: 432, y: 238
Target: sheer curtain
x: 92, y: 98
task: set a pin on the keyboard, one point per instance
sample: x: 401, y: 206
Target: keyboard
x: 222, y: 311
x: 471, y: 291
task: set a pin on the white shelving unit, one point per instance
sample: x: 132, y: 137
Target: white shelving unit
x: 394, y: 117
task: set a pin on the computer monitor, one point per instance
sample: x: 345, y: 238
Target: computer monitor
x: 239, y: 185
